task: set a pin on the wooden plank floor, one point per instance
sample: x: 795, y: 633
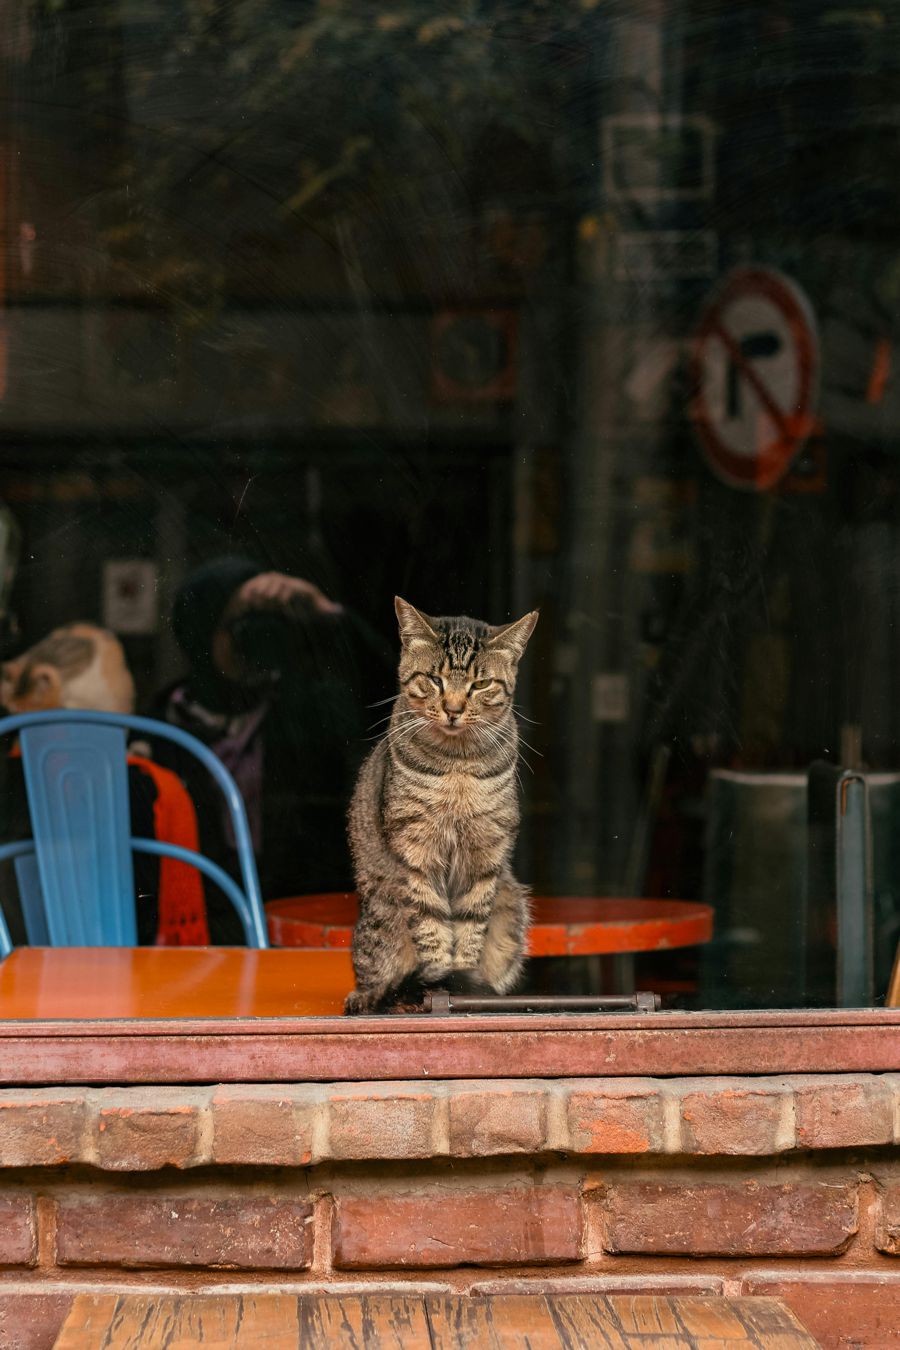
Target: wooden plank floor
x: 389, y: 1322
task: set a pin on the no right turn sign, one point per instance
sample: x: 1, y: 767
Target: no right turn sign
x: 754, y: 369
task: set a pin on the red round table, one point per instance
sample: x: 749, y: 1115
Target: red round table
x: 561, y: 926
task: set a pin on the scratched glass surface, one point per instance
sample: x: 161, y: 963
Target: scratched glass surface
x: 496, y: 305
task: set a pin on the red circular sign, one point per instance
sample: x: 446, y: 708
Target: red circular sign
x: 754, y: 368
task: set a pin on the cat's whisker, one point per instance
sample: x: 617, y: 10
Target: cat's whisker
x: 495, y: 735
x: 414, y: 720
x: 533, y: 748
x: 400, y: 735
x: 381, y: 720
x: 379, y: 702
x: 500, y: 735
x: 505, y: 737
x: 495, y: 740
x: 518, y: 711
x: 498, y: 742
x: 390, y: 731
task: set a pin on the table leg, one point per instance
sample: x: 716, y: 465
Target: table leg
x: 622, y: 973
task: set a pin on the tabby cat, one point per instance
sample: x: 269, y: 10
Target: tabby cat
x: 434, y: 818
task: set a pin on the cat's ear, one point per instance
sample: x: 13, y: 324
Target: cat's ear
x: 513, y: 637
x: 414, y: 627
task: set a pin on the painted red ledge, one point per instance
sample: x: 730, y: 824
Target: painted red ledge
x: 660, y: 1045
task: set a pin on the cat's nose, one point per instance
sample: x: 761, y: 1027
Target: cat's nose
x: 453, y: 710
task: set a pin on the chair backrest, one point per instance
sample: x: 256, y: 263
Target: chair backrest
x: 76, y: 780
x: 77, y: 784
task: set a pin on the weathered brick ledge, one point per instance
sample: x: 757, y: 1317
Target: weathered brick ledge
x: 146, y: 1128
x: 780, y: 1185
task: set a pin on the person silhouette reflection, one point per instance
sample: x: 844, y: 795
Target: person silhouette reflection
x: 276, y: 687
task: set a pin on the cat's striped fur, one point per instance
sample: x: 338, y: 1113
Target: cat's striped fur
x: 435, y: 814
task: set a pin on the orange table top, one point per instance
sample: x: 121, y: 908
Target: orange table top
x: 561, y: 925
x: 299, y: 979
x: 110, y: 982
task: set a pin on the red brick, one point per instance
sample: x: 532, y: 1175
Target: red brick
x: 725, y: 1116
x: 142, y: 1129
x: 18, y: 1234
x: 616, y: 1116
x: 263, y: 1126
x: 491, y: 1118
x: 381, y: 1120
x: 538, y: 1225
x: 748, y: 1218
x: 842, y: 1312
x: 887, y: 1228
x: 843, y: 1113
x: 41, y: 1127
x: 31, y: 1321
x: 238, y: 1231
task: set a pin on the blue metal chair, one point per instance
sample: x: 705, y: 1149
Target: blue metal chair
x: 75, y: 874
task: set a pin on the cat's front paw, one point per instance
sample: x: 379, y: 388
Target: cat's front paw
x: 467, y: 982
x: 357, y: 1003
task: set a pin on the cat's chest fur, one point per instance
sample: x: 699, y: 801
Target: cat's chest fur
x: 454, y: 826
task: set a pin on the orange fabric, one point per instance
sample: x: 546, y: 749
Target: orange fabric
x: 182, y: 908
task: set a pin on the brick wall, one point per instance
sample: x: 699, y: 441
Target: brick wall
x: 766, y: 1185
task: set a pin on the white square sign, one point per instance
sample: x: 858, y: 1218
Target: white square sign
x: 130, y: 602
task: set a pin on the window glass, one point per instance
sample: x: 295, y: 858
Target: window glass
x: 498, y: 306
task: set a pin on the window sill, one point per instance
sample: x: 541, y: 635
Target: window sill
x: 536, y: 1046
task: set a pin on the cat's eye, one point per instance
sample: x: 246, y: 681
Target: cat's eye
x: 418, y: 686
x: 436, y: 679
x: 480, y: 684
